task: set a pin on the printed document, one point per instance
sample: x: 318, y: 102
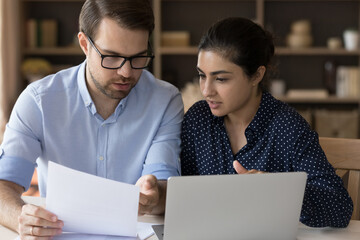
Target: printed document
x: 90, y: 204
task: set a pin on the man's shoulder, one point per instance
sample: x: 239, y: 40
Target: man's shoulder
x: 61, y: 81
x: 157, y: 86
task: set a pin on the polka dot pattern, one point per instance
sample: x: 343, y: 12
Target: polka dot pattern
x: 278, y: 140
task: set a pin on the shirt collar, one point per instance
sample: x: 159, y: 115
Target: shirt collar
x: 266, y: 111
x: 82, y: 85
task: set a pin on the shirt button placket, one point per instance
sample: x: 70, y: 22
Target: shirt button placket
x: 101, y: 143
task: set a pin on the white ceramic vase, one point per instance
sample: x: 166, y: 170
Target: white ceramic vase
x: 351, y: 39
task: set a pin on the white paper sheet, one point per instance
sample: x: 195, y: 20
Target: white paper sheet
x: 144, y: 230
x: 90, y: 204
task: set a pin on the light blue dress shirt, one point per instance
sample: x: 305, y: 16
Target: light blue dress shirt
x: 55, y: 119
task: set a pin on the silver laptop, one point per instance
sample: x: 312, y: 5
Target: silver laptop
x: 253, y: 206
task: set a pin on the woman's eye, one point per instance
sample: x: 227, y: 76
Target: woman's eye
x: 221, y: 79
x: 201, y: 76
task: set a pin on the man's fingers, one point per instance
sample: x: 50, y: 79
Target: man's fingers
x: 147, y: 182
x: 36, y: 221
x: 42, y: 232
x: 144, y: 199
x: 146, y: 204
x: 40, y: 212
x: 148, y: 199
x: 145, y: 209
x: 239, y: 168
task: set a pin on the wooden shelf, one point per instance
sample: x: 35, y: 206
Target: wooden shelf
x: 57, y: 51
x: 330, y: 99
x: 311, y: 51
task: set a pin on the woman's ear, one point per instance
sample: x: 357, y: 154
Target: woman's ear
x: 258, y: 76
x: 83, y: 42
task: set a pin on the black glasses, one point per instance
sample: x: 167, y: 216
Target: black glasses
x: 117, y: 61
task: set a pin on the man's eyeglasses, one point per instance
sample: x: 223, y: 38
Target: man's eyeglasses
x: 117, y: 61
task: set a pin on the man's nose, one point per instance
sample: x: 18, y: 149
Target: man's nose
x: 125, y: 70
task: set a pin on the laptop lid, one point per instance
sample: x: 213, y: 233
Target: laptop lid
x: 252, y: 206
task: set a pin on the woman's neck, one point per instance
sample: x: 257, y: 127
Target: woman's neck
x: 243, y: 117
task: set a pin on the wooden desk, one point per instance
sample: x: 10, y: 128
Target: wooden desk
x: 352, y: 232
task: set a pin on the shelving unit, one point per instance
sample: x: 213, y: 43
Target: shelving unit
x: 196, y: 16
x: 267, y: 13
x: 66, y: 13
x: 299, y: 68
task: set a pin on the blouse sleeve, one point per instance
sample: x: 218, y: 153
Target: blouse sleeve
x: 326, y: 201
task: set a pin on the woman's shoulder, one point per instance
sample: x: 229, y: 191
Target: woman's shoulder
x: 288, y: 118
x: 199, y: 111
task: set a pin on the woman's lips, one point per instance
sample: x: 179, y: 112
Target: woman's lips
x: 213, y: 104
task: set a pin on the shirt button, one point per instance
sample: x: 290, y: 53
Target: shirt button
x: 101, y: 158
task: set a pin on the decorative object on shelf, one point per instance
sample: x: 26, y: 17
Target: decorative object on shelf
x: 329, y: 80
x: 277, y: 87
x: 35, y: 68
x: 300, y: 35
x: 348, y: 81
x: 175, y: 39
x: 351, y: 39
x: 334, y: 43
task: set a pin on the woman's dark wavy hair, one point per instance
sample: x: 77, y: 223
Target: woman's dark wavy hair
x: 243, y: 42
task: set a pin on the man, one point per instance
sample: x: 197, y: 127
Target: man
x: 107, y: 117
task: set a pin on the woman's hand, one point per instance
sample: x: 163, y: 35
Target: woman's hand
x: 241, y: 170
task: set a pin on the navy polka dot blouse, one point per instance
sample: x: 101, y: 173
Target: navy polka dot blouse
x: 278, y: 140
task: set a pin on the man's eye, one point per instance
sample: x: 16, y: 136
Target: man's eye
x: 202, y: 76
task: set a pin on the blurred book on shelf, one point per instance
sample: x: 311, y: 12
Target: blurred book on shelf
x: 348, y: 81
x: 41, y: 33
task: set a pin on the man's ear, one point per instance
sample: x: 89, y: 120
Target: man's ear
x: 83, y: 42
x: 258, y: 76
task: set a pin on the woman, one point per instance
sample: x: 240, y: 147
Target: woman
x: 240, y: 128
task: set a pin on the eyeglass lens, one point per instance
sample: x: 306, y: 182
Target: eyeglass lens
x: 135, y: 62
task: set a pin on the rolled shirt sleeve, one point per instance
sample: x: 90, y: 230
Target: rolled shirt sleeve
x: 22, y: 141
x: 163, y: 156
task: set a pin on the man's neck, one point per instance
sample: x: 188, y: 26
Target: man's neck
x: 105, y: 107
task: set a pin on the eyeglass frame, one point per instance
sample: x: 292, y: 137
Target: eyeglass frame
x: 125, y: 58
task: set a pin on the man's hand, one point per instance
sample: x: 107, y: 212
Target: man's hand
x: 241, y: 170
x: 37, y: 223
x: 149, y: 194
